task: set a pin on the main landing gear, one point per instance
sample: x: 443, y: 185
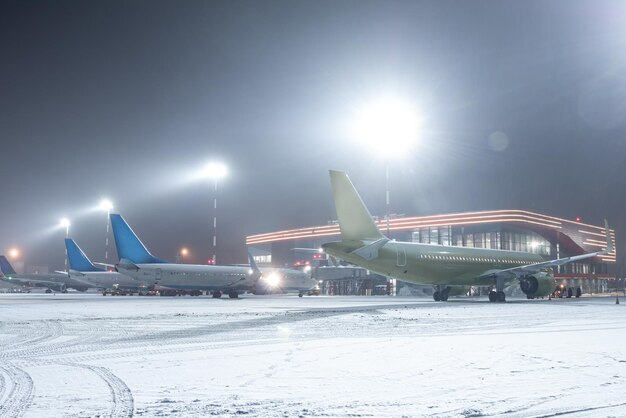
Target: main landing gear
x: 231, y: 294
x: 497, y: 294
x: 441, y: 293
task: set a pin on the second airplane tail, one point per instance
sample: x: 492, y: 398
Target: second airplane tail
x: 355, y: 221
x: 128, y: 245
x: 76, y: 257
x: 5, y: 266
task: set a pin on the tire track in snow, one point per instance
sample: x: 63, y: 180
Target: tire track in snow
x: 619, y: 406
x: 40, y: 332
x: 18, y: 392
x: 122, y: 397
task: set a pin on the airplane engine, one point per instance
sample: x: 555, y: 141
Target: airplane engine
x: 539, y: 284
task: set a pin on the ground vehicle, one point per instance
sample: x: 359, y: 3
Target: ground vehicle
x: 562, y: 291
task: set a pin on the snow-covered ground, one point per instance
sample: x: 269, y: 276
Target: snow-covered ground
x: 86, y: 355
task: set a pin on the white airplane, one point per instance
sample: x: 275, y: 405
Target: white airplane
x: 83, y: 270
x: 284, y: 280
x: 58, y: 282
x: 443, y: 266
x: 136, y: 261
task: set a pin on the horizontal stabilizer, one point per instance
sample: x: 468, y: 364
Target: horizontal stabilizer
x: 370, y: 251
x: 126, y: 264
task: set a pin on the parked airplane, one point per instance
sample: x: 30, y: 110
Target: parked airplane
x: 84, y: 271
x: 58, y: 282
x: 363, y: 244
x: 136, y: 261
x: 283, y: 280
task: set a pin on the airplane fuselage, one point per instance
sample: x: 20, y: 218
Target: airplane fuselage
x: 106, y: 280
x: 290, y: 280
x: 191, y: 277
x: 52, y: 281
x: 433, y: 264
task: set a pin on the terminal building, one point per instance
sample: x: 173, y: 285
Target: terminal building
x: 516, y: 230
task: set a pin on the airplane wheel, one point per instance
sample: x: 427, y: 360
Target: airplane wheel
x: 437, y: 296
x: 493, y: 296
x: 579, y: 292
x: 300, y: 294
x: 444, y: 294
x: 217, y: 294
x: 233, y: 295
x: 501, y: 297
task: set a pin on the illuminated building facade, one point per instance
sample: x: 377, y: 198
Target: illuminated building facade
x: 516, y: 230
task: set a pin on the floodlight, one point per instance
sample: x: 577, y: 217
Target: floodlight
x: 273, y: 279
x: 105, y: 205
x: 390, y: 126
x: 215, y: 171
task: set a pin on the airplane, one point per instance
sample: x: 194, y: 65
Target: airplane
x: 58, y: 282
x: 285, y: 280
x: 84, y: 271
x: 136, y: 261
x: 445, y: 267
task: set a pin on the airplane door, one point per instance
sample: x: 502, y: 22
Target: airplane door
x: 157, y: 276
x: 401, y: 256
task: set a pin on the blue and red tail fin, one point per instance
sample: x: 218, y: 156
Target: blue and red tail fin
x: 128, y: 245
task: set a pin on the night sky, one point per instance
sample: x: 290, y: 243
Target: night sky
x: 127, y: 100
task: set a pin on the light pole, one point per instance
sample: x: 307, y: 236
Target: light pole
x: 183, y: 252
x: 389, y: 126
x: 106, y: 206
x: 65, y: 223
x: 215, y: 171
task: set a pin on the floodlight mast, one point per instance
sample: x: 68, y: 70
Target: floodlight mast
x: 106, y: 206
x: 215, y: 171
x: 181, y: 254
x: 65, y: 223
x: 389, y: 126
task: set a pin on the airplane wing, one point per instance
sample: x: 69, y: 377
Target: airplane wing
x: 537, y: 267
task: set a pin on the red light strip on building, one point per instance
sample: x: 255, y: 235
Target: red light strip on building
x: 394, y: 226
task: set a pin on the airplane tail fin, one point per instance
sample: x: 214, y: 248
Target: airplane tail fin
x: 253, y: 265
x: 355, y: 221
x: 128, y: 245
x: 5, y: 266
x: 76, y: 257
